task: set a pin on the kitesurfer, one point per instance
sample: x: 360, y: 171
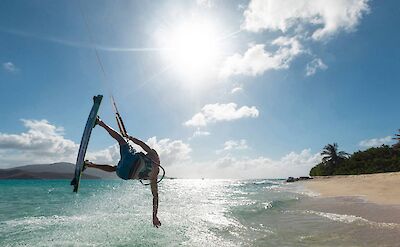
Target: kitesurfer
x: 134, y: 165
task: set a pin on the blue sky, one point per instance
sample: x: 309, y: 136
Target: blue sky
x: 230, y: 89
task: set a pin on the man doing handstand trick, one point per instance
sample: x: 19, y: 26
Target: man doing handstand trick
x: 134, y: 165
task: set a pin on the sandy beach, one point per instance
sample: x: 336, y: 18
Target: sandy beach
x: 382, y: 188
x: 374, y: 197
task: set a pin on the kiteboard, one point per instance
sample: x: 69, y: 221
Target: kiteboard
x: 90, y: 123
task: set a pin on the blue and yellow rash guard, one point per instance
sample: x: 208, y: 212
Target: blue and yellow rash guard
x: 133, y: 165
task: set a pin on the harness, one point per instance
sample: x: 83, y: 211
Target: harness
x: 152, y: 162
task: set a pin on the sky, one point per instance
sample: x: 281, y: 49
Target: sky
x: 221, y: 89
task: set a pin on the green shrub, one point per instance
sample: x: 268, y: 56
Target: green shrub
x: 373, y: 160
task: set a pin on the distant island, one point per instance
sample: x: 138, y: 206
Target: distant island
x: 61, y: 170
x: 373, y: 160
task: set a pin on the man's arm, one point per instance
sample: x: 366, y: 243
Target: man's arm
x: 140, y: 143
x: 154, y: 191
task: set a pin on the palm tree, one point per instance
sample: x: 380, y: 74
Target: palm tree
x: 331, y: 154
x: 397, y: 138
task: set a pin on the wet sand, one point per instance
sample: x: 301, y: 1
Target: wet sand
x: 369, y: 203
x: 361, y: 222
x: 354, y: 206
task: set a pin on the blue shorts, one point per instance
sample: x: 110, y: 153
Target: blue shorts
x: 129, y: 161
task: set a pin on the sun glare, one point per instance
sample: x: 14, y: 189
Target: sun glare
x: 194, y: 46
x: 192, y: 49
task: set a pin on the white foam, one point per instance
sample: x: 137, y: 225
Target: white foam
x: 350, y: 219
x: 276, y: 182
x: 267, y: 205
x: 298, y: 188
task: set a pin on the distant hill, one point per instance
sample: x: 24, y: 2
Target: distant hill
x: 60, y: 170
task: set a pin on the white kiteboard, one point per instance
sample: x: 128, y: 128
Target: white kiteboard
x: 85, y: 141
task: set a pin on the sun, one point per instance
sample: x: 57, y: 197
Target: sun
x: 192, y: 48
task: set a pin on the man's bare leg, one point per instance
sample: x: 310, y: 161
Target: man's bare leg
x: 106, y: 168
x: 114, y: 134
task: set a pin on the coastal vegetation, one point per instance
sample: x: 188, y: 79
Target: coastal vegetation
x: 373, y: 160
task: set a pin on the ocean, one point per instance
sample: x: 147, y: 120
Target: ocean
x: 193, y: 212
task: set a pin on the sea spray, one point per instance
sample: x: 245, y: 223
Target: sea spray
x: 193, y: 212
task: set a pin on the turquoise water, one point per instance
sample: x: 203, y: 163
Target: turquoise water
x: 192, y: 212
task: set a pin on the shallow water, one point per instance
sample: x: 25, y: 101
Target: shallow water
x: 192, y: 212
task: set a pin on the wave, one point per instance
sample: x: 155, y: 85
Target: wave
x: 268, y: 182
x: 253, y: 208
x: 297, y: 188
x: 352, y: 219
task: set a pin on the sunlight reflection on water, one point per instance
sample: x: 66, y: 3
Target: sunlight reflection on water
x: 193, y: 213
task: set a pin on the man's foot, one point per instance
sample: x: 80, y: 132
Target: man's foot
x: 98, y: 120
x: 86, y: 164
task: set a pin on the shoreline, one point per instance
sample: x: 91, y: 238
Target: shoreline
x: 374, y: 197
x: 379, y: 188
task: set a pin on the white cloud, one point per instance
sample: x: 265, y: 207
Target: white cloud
x: 304, y: 158
x: 41, y: 135
x: 299, y: 22
x: 199, y: 132
x: 237, y: 89
x: 45, y: 143
x: 234, y: 145
x: 42, y: 143
x: 238, y: 145
x: 205, y: 3
x: 10, y: 67
x: 375, y: 142
x: 241, y: 7
x: 109, y: 155
x: 212, y: 113
x: 292, y: 164
x: 325, y: 17
x: 171, y: 152
x: 314, y: 65
x: 256, y: 60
